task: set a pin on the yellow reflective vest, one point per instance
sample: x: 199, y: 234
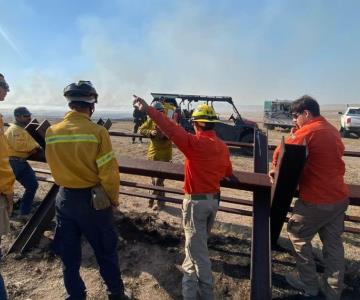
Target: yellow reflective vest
x: 80, y: 155
x: 159, y: 149
x: 20, y: 141
x: 7, y: 177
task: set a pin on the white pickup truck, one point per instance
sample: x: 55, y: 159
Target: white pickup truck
x: 350, y: 122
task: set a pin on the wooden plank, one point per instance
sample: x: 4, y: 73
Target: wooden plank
x: 290, y: 165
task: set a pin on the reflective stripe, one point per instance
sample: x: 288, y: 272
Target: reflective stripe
x: 70, y: 138
x: 105, y: 159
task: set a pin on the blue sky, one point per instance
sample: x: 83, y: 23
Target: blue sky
x: 250, y: 50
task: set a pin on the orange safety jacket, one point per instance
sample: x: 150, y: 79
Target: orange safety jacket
x: 207, y: 158
x: 322, y: 180
x: 7, y: 177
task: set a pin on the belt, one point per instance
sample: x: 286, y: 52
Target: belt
x: 17, y: 158
x: 202, y: 196
x: 77, y: 189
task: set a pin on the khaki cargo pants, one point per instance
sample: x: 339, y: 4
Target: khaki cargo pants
x: 328, y: 221
x: 198, y: 219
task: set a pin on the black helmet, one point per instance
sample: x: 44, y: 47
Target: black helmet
x: 21, y: 111
x: 82, y: 91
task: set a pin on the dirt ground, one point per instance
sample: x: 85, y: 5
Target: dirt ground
x: 151, y: 243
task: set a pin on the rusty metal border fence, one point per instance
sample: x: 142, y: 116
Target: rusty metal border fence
x: 257, y: 183
x: 107, y: 124
x: 229, y: 143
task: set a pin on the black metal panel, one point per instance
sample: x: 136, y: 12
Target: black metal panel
x: 107, y: 124
x: 34, y: 228
x: 260, y: 242
x: 290, y: 165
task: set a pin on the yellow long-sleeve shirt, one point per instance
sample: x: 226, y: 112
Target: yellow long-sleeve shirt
x: 20, y: 142
x: 7, y: 177
x: 159, y: 149
x: 80, y: 155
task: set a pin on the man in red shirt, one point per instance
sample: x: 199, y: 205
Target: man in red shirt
x: 322, y: 202
x: 207, y: 161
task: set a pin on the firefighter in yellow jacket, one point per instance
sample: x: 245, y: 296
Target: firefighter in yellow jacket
x: 7, y: 180
x: 21, y: 146
x: 160, y: 148
x: 83, y: 164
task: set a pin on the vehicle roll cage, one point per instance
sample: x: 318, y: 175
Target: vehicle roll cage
x: 196, y: 98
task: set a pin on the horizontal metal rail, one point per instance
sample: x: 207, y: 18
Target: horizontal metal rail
x: 236, y: 211
x: 241, y: 180
x: 131, y: 184
x: 229, y: 143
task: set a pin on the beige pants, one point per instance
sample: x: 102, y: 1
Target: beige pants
x: 328, y: 221
x: 4, y: 216
x: 198, y: 219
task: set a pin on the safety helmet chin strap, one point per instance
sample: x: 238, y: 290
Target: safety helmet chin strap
x: 92, y: 109
x: 200, y: 124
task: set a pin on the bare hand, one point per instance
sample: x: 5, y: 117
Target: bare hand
x: 272, y: 176
x: 140, y: 103
x: 153, y: 133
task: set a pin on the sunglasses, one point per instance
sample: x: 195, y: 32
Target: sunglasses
x: 296, y: 115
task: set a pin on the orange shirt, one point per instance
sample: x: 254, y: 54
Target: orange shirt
x: 207, y: 158
x: 322, y: 180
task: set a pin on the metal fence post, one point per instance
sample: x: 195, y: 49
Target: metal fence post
x: 260, y: 275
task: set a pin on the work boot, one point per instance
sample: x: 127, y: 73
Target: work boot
x: 329, y: 292
x: 127, y: 295
x: 294, y: 280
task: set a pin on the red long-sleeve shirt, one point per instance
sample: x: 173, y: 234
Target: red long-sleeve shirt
x: 322, y: 180
x: 207, y: 157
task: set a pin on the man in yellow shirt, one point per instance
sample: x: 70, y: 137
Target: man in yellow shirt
x: 21, y: 146
x: 82, y: 163
x: 7, y: 180
x: 160, y: 148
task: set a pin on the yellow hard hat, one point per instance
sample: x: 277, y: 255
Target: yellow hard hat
x: 204, y: 113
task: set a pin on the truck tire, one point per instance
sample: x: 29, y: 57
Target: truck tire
x: 344, y: 133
